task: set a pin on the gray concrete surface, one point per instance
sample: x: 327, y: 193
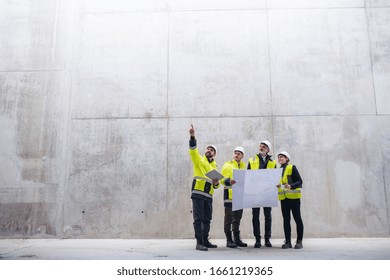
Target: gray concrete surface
x: 184, y: 249
x: 96, y: 99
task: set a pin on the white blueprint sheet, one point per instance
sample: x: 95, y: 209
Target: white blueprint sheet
x: 256, y: 188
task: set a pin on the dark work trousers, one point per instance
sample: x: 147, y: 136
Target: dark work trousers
x: 232, y: 220
x: 256, y: 221
x: 294, y: 206
x: 202, y: 210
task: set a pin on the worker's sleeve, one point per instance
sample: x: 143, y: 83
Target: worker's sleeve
x: 226, y: 174
x: 196, y: 158
x: 192, y: 142
x: 194, y: 153
x: 296, y: 178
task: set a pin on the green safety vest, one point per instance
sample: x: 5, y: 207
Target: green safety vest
x: 284, y: 193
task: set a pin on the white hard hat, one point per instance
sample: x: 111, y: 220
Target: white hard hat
x: 240, y: 149
x: 284, y: 153
x: 267, y: 143
x: 212, y: 146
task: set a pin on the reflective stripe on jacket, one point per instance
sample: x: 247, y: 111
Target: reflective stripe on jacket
x: 201, y: 185
x: 285, y: 193
x: 227, y: 172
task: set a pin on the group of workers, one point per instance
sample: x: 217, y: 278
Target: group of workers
x: 289, y: 194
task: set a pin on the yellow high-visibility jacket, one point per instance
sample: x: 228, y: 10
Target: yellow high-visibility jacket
x: 227, y: 172
x: 201, y: 185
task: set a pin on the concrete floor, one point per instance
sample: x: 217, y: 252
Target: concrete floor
x: 184, y: 249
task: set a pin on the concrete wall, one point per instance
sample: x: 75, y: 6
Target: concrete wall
x: 96, y: 99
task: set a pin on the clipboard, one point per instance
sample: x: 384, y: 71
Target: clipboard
x: 214, y: 174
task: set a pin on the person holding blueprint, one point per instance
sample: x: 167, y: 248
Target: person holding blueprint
x: 232, y: 218
x: 289, y: 194
x: 262, y: 160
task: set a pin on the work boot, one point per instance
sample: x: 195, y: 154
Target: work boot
x: 229, y: 241
x: 238, y: 240
x: 258, y: 242
x: 200, y: 247
x: 287, y: 244
x: 267, y: 243
x: 207, y: 244
x: 298, y: 245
